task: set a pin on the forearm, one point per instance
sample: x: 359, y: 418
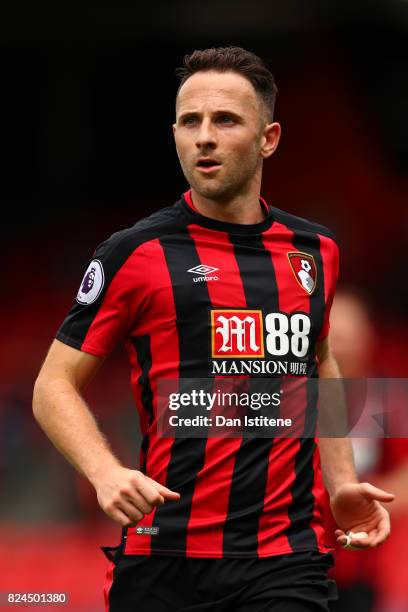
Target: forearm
x: 63, y: 415
x: 337, y: 461
x: 336, y: 453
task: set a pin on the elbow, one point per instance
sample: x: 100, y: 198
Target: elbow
x: 38, y: 395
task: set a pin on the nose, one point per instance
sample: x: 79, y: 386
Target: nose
x: 206, y: 136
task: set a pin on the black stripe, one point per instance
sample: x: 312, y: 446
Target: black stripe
x: 249, y: 477
x: 299, y: 532
x: 144, y: 357
x: 257, y: 272
x: 192, y: 303
x: 301, y: 224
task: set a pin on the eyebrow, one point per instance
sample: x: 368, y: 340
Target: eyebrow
x: 214, y: 113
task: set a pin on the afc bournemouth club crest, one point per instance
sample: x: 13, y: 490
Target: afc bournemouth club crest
x: 304, y: 268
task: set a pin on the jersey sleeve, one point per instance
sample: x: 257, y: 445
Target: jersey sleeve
x: 111, y: 296
x: 330, y: 259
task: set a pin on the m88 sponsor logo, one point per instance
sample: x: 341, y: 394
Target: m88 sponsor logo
x: 244, y: 341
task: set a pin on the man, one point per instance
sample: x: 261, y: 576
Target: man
x: 212, y: 523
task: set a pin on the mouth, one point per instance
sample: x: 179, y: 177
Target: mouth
x: 208, y: 165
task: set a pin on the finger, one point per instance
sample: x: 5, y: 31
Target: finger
x: 353, y: 547
x: 131, y: 493
x: 150, y: 494
x: 383, y: 530
x: 363, y: 542
x: 133, y: 513
x: 167, y: 494
x: 164, y: 491
x: 137, y: 500
x: 349, y: 539
x: 352, y: 543
x: 371, y: 492
x: 363, y: 539
x: 120, y: 517
x: 345, y: 541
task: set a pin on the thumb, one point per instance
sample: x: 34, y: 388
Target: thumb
x: 371, y: 492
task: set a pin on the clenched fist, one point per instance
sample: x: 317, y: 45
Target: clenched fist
x: 127, y: 495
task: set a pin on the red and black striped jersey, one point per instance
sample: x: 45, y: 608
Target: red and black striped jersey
x: 163, y: 286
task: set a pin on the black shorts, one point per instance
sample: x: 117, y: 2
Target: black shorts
x: 296, y: 582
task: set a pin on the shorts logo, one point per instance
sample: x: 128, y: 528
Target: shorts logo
x: 304, y: 269
x: 147, y: 530
x: 92, y: 283
x: 237, y: 333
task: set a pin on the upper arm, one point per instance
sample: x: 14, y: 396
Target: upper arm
x: 328, y: 366
x: 112, y: 296
x: 323, y: 350
x: 68, y: 363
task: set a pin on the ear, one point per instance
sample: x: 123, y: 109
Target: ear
x: 270, y: 139
x: 174, y: 128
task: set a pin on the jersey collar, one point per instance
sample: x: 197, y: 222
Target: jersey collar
x: 234, y: 228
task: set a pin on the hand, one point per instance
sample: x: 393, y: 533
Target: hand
x: 356, y: 507
x: 127, y: 495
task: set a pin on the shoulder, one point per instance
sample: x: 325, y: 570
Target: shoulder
x: 122, y: 243
x: 301, y: 224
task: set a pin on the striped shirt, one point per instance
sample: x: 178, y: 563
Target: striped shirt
x: 193, y: 297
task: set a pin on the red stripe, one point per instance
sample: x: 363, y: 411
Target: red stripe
x: 118, y: 310
x: 209, y: 507
x: 189, y: 199
x: 330, y: 257
x: 165, y: 364
x: 274, y: 518
x: 137, y: 394
x: 214, y: 249
x: 318, y: 491
x: 108, y: 583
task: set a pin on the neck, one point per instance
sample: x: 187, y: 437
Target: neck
x: 244, y: 208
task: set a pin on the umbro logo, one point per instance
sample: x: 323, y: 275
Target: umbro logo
x: 204, y: 272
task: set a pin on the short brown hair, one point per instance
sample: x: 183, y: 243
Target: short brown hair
x: 235, y: 59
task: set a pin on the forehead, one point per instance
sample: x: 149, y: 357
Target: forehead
x: 216, y: 90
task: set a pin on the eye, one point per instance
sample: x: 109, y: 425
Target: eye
x: 225, y: 119
x: 189, y: 120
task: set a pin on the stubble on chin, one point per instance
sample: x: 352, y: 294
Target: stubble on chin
x: 218, y: 188
x: 211, y: 189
